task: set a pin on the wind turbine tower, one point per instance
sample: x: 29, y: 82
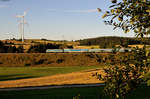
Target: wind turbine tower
x: 21, y: 25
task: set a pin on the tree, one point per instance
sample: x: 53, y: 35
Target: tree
x: 1, y: 47
x: 20, y: 49
x: 11, y: 49
x: 130, y: 15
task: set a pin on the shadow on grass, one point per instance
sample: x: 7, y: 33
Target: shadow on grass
x: 68, y: 93
x: 14, y: 77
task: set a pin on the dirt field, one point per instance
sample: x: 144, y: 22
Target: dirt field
x: 84, y: 77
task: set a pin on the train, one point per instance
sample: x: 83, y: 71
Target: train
x: 87, y: 50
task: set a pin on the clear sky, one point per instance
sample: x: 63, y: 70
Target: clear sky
x: 56, y: 19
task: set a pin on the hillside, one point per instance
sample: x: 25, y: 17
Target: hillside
x: 110, y: 41
x: 58, y: 59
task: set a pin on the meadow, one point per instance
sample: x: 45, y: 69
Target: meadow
x: 68, y: 93
x: 14, y: 73
x: 42, y: 65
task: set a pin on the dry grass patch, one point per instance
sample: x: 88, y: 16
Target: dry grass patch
x: 84, y: 77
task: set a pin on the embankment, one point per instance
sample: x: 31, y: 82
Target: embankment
x: 58, y: 59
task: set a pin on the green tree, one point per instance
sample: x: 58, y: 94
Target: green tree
x: 130, y: 15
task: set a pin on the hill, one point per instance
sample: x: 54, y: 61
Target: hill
x: 36, y: 45
x: 110, y: 41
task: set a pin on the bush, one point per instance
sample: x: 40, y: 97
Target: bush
x: 59, y: 61
x: 27, y: 64
x: 41, y: 61
x: 20, y: 49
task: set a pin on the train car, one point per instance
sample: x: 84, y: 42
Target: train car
x: 86, y: 50
x: 54, y: 51
x: 75, y: 50
x: 95, y: 50
x: 100, y: 50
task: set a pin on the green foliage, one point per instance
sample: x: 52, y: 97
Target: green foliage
x: 147, y: 78
x: 148, y: 82
x: 130, y: 15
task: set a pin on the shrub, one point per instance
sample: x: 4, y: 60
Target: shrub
x: 27, y: 64
x: 91, y: 55
x: 41, y: 61
x: 59, y: 61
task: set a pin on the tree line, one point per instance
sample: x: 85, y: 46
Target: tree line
x: 41, y: 48
x: 38, y: 48
x: 10, y: 49
x: 110, y: 41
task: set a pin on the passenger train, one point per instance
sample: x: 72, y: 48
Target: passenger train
x: 86, y: 50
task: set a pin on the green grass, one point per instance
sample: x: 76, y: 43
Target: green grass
x: 13, y: 73
x: 68, y: 93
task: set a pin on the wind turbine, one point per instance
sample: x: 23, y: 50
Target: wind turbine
x: 21, y: 24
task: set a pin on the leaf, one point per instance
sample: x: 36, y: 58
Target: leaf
x: 114, y: 17
x: 112, y: 11
x: 114, y: 27
x: 147, y: 10
x: 104, y: 15
x: 148, y: 32
x: 114, y: 1
x: 112, y: 6
x: 148, y: 83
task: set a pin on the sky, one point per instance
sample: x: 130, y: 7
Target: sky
x: 56, y: 19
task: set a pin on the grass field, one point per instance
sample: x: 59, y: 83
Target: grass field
x: 13, y: 73
x: 68, y: 93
